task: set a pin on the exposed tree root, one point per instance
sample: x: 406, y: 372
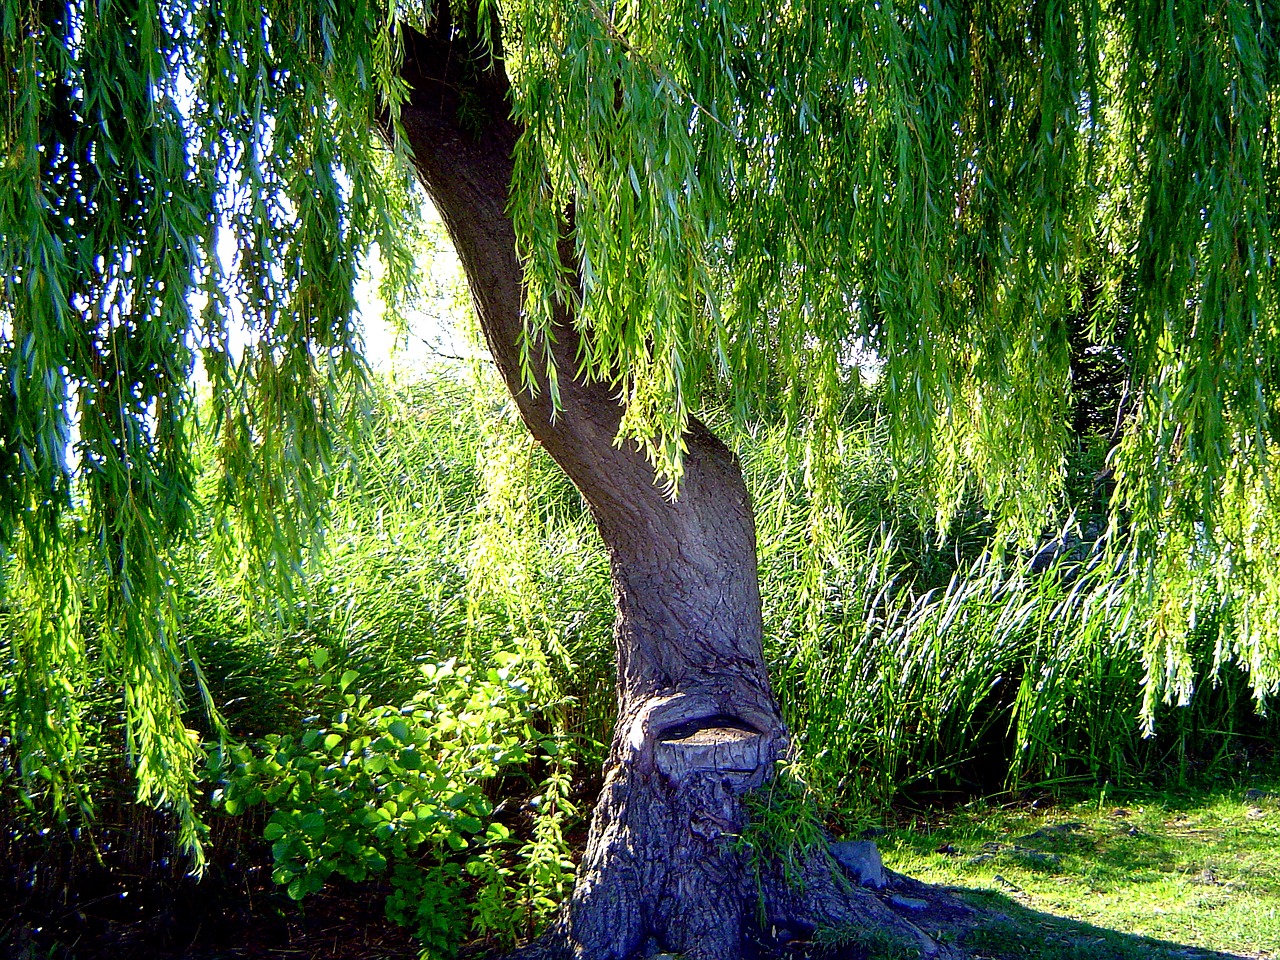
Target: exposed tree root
x: 827, y: 898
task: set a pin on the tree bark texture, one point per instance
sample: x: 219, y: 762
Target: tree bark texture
x: 698, y: 725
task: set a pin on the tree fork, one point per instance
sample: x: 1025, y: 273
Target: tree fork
x: 698, y: 725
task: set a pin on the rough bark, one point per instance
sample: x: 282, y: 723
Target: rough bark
x: 698, y: 725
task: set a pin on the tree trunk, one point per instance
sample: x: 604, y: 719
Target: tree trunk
x: 698, y: 725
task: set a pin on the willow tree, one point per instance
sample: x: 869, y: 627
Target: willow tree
x: 652, y: 203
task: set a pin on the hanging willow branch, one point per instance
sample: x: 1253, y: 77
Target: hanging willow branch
x: 760, y: 193
x: 188, y: 189
x: 938, y: 185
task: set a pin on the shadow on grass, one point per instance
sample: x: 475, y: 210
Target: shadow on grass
x: 1200, y: 869
x: 1005, y: 930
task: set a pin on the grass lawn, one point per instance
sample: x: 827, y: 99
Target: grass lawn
x: 1123, y: 876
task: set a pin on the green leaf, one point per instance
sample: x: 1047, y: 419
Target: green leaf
x: 455, y: 841
x: 313, y: 824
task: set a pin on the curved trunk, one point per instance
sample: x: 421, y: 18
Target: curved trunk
x: 697, y: 722
x: 698, y: 725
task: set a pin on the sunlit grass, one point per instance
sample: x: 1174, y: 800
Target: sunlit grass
x: 1196, y: 869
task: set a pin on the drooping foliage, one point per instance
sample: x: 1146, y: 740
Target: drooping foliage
x: 765, y: 193
x: 185, y: 195
x: 764, y: 198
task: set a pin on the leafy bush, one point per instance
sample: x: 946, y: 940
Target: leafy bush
x: 399, y: 791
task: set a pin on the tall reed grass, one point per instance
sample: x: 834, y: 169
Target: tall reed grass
x: 905, y: 662
x: 942, y: 667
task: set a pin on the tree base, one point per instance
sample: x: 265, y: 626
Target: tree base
x: 666, y: 872
x: 829, y: 905
x: 822, y: 910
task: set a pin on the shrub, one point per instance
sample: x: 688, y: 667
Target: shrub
x: 399, y: 791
